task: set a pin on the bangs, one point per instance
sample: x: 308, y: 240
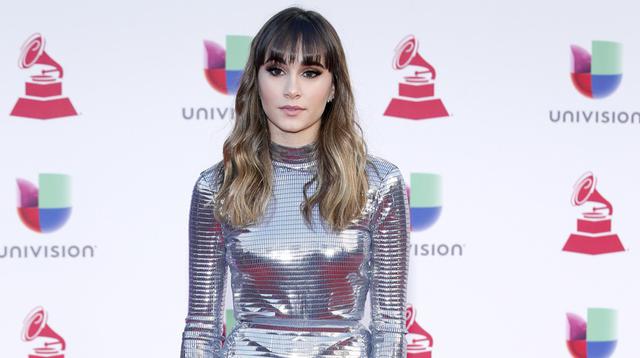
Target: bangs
x: 296, y: 36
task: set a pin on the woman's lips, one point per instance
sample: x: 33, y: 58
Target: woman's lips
x: 291, y: 110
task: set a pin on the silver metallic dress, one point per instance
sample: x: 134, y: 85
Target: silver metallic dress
x: 298, y: 290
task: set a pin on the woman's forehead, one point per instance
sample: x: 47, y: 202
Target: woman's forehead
x: 292, y: 58
x: 291, y: 48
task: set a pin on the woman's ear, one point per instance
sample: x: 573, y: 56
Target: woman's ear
x: 333, y: 91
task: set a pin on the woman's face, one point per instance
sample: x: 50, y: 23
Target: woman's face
x: 294, y: 96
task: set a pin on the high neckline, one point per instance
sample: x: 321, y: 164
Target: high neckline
x: 304, y: 155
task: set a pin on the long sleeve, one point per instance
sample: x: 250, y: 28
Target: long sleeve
x: 203, y: 335
x: 389, y: 268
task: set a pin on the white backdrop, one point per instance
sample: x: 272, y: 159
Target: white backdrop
x: 508, y: 171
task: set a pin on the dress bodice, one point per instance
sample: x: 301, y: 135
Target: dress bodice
x: 291, y: 274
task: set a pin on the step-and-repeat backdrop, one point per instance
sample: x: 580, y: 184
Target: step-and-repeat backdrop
x: 515, y: 125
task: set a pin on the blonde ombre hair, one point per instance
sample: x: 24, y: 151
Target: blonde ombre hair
x: 341, y: 153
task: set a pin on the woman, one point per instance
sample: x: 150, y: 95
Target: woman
x: 304, y: 218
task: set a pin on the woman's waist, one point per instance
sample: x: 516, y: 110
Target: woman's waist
x: 284, y: 337
x: 302, y: 324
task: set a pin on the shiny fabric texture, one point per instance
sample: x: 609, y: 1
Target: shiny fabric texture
x: 299, y: 290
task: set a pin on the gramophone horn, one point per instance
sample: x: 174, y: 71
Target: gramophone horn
x: 585, y: 190
x: 33, y: 53
x: 410, y: 315
x: 407, y: 54
x: 35, y: 325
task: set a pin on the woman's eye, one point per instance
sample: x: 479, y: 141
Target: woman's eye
x: 311, y: 74
x: 275, y: 71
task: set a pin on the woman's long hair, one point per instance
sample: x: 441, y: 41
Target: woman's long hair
x: 341, y: 153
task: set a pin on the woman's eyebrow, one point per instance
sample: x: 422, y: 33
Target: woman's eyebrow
x: 283, y: 63
x: 310, y: 62
x: 274, y: 61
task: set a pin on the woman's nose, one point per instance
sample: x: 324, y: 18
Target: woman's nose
x: 292, y: 89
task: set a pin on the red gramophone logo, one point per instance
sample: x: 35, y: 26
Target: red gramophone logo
x: 43, y: 94
x: 416, y: 98
x: 35, y: 326
x: 594, y: 235
x: 419, y: 341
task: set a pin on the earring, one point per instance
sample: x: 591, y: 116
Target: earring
x: 330, y: 99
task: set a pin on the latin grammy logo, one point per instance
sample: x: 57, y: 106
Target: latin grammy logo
x: 416, y: 100
x: 35, y: 326
x: 594, y: 234
x: 43, y: 98
x: 419, y: 341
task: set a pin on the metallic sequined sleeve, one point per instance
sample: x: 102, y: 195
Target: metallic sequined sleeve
x: 389, y: 268
x: 203, y: 336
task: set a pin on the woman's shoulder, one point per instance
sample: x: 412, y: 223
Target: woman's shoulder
x: 211, y: 178
x: 380, y: 169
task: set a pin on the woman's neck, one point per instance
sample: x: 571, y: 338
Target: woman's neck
x: 294, y: 140
x: 293, y: 155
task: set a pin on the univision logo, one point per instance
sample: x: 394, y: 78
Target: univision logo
x: 46, y: 207
x: 223, y: 69
x: 597, y: 75
x: 425, y: 200
x: 596, y: 337
x: 425, y: 206
x: 229, y: 324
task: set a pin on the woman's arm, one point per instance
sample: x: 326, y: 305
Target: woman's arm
x: 389, y: 268
x: 202, y: 337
